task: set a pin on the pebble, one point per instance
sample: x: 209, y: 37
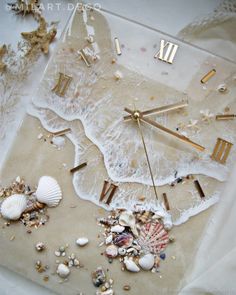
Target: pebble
x: 40, y: 246
x: 118, y: 75
x: 147, y: 261
x: 163, y: 256
x: 82, y: 241
x: 111, y: 251
x: 57, y: 253
x: 171, y: 239
x: 46, y: 278
x: 40, y: 136
x: 63, y: 271
x: 126, y: 287
x: 117, y: 229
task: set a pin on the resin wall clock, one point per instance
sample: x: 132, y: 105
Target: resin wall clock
x: 128, y: 92
x: 151, y: 121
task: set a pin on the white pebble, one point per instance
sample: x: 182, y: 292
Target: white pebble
x: 117, y: 229
x: 40, y: 136
x: 82, y: 241
x: 147, y: 261
x: 63, y: 271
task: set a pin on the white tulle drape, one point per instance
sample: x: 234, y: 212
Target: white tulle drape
x: 214, y: 269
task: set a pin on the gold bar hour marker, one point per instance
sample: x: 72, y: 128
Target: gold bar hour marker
x: 225, y: 117
x: 208, y: 76
x: 61, y: 132
x: 62, y: 85
x: 84, y: 57
x: 199, y: 189
x: 167, y: 51
x: 107, y: 191
x: 78, y: 167
x: 166, y: 202
x: 221, y: 150
x: 117, y: 45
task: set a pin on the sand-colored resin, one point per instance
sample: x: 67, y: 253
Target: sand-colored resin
x: 34, y: 158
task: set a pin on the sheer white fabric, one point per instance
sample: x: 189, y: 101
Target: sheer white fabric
x: 214, y: 270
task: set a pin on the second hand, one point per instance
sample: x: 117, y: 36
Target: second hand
x: 145, y: 149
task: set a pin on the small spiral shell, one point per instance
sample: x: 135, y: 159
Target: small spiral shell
x: 34, y: 207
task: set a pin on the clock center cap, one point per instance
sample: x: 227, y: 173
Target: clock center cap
x: 137, y: 115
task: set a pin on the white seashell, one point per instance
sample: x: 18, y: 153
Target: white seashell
x: 131, y: 265
x: 63, y: 271
x: 58, y: 141
x: 222, y: 87
x: 168, y: 224
x: 117, y: 229
x: 122, y: 251
x: 82, y: 241
x: 128, y: 219
x: 112, y: 251
x: 147, y: 261
x: 118, y: 75
x: 13, y: 207
x: 109, y: 239
x: 48, y: 191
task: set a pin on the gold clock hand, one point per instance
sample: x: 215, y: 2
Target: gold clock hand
x: 181, y: 137
x: 159, y: 110
x: 146, y: 153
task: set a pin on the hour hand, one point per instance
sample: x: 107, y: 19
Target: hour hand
x: 160, y: 110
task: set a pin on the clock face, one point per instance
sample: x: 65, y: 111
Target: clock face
x: 87, y: 86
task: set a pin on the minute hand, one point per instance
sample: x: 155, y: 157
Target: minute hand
x: 181, y: 137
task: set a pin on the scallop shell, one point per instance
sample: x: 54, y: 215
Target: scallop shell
x: 13, y: 207
x: 48, y: 191
x: 128, y: 219
x: 153, y: 237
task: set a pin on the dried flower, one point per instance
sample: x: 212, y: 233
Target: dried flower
x: 3, y: 51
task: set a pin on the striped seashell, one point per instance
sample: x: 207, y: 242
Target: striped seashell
x: 153, y: 237
x: 13, y: 206
x: 48, y: 191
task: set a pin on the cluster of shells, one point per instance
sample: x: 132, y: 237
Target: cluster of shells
x: 100, y: 280
x: 19, y: 202
x: 137, y: 239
